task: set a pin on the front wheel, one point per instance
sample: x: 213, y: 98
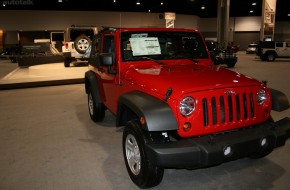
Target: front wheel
x: 231, y: 65
x: 96, y: 110
x: 141, y: 171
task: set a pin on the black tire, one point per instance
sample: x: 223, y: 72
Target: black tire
x: 141, y: 171
x: 263, y: 57
x: 82, y: 43
x: 231, y: 65
x: 271, y: 57
x: 96, y: 110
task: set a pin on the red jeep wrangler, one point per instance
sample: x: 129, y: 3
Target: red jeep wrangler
x: 179, y: 110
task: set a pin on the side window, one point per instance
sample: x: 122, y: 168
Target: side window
x: 279, y: 44
x: 109, y: 45
x: 288, y: 44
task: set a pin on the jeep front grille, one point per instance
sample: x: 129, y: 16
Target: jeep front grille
x: 227, y: 108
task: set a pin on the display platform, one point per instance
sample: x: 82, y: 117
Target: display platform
x: 43, y: 75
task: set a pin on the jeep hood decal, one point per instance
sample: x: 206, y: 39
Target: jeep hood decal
x: 186, y: 78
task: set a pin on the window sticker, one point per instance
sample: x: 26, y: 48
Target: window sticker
x: 145, y: 46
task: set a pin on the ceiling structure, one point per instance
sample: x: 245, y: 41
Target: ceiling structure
x: 238, y: 8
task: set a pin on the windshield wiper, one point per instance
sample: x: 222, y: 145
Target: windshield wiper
x: 157, y: 61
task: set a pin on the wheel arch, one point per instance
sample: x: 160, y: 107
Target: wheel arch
x: 134, y: 105
x: 91, y: 82
x: 271, y: 52
x: 279, y: 100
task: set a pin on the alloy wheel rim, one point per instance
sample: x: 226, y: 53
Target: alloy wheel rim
x: 133, y: 154
x: 91, y: 104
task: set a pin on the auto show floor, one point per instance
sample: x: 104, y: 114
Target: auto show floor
x: 40, y: 75
x: 49, y: 142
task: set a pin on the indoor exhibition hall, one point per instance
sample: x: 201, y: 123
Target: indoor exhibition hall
x: 144, y: 94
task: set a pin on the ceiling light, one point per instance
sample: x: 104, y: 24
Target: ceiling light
x: 60, y: 1
x: 203, y: 7
x: 254, y: 3
x: 251, y: 11
x: 161, y: 3
x: 138, y: 2
x: 289, y: 14
x: 114, y: 1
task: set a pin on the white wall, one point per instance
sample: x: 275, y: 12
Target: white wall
x: 207, y: 24
x: 15, y: 20
x: 247, y: 24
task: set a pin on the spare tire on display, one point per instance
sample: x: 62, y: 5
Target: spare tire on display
x: 82, y: 43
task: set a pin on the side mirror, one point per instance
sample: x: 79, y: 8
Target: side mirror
x: 108, y: 59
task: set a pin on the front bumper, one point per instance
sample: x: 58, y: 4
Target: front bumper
x: 214, y: 149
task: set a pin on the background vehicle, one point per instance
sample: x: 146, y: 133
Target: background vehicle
x: 11, y: 53
x: 221, y: 55
x: 178, y: 110
x: 251, y: 48
x: 77, y: 42
x: 270, y: 50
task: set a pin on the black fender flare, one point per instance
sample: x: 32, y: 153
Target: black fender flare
x: 158, y: 115
x: 91, y: 82
x: 271, y: 52
x: 279, y: 100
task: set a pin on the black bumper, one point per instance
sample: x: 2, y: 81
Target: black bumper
x: 210, y: 150
x: 66, y: 54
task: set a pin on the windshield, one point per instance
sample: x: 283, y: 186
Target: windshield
x: 162, y: 45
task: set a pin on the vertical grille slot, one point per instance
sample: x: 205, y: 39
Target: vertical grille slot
x: 230, y: 106
x: 238, y: 106
x: 252, y: 105
x: 245, y: 106
x: 222, y: 109
x: 214, y: 111
x: 205, y: 112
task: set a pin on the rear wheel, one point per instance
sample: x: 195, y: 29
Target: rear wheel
x: 141, y: 171
x: 96, y: 110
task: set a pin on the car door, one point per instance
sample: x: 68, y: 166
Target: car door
x: 281, y: 49
x: 109, y: 81
x: 287, y: 49
x: 56, y: 42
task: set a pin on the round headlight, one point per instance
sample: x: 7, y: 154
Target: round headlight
x: 261, y: 96
x: 187, y: 106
